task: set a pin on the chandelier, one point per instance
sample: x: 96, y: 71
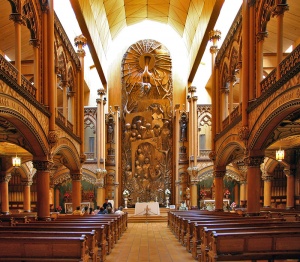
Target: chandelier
x: 16, y: 161
x: 280, y: 154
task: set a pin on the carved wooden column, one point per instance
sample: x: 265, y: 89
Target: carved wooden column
x: 65, y: 100
x: 245, y: 61
x: 193, y: 172
x: 231, y: 82
x: 36, y: 67
x: 254, y: 180
x: 267, y: 189
x: 100, y: 173
x: 259, y: 60
x: 45, y: 54
x: 177, y: 144
x: 71, y: 107
x: 117, y: 143
x: 27, y: 195
x: 17, y: 18
x: 76, y: 189
x: 279, y: 13
x: 4, y: 179
x: 195, y: 132
x: 224, y: 105
x: 236, y: 192
x: 290, y: 191
x: 214, y: 37
x: 251, y: 44
x: 218, y: 180
x: 57, y: 197
x: 43, y: 168
x: 51, y: 66
x: 243, y: 193
x: 80, y: 42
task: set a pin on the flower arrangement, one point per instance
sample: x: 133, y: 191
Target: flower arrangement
x: 126, y: 193
x: 91, y: 195
x: 59, y: 209
x: 227, y: 192
x: 167, y: 192
x: 202, y: 193
x: 67, y: 195
x: 233, y: 205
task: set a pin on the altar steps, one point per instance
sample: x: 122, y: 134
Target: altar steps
x: 163, y: 217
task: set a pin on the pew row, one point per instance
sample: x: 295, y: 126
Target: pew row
x: 30, y: 248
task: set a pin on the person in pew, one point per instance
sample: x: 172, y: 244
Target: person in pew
x: 107, y: 204
x: 85, y: 210
x: 91, y: 212
x: 96, y: 210
x: 77, y: 211
x: 109, y: 210
x: 120, y: 211
x: 102, y: 211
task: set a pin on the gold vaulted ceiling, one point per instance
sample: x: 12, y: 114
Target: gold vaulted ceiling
x: 176, y: 13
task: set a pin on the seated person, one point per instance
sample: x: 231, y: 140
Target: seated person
x: 85, y: 210
x: 120, y: 211
x: 109, y: 210
x: 77, y: 211
x: 101, y: 211
x: 183, y: 206
x: 106, y: 204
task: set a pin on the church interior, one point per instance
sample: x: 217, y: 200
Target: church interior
x: 187, y: 106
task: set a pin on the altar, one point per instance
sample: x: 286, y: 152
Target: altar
x: 153, y: 208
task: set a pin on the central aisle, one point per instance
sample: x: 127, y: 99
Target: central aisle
x: 148, y: 242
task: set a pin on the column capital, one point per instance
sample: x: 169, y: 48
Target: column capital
x: 35, y: 43
x: 193, y: 172
x: 42, y: 165
x: 280, y: 9
x: 5, y: 178
x: 267, y: 177
x: 254, y: 161
x: 80, y: 42
x: 76, y: 176
x: 82, y: 158
x: 213, y: 49
x: 219, y: 173
x: 213, y: 155
x: 17, y: 18
x: 26, y: 182
x: 192, y: 89
x: 101, y: 92
x: 214, y: 36
x: 289, y: 172
x: 261, y: 36
x: 52, y: 138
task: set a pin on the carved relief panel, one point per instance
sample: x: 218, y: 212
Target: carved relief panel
x: 147, y: 127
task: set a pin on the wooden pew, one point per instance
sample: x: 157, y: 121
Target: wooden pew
x: 43, y: 249
x: 100, y: 233
x: 239, y: 246
x: 90, y: 237
x: 206, y: 234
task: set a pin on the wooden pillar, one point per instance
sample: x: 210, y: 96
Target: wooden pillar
x: 218, y: 180
x: 290, y: 191
x: 254, y: 179
x: 259, y: 61
x: 76, y: 189
x: 27, y: 195
x: 80, y: 42
x: 193, y: 172
x: 57, y: 197
x: 43, y: 185
x: 51, y: 66
x: 117, y: 152
x: 176, y: 157
x: 4, y: 179
x: 214, y: 36
x: 245, y: 62
x: 100, y: 173
x: 267, y: 189
x: 279, y: 13
x: 17, y: 18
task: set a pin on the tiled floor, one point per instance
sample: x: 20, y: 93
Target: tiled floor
x: 148, y: 242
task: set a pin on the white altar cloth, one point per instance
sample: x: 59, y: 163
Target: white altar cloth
x: 153, y: 208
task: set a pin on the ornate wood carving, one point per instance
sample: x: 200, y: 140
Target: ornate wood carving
x: 147, y: 96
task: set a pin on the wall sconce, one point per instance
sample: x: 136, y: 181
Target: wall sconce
x: 16, y: 161
x: 279, y: 154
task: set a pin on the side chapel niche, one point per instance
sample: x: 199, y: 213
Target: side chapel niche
x: 147, y: 127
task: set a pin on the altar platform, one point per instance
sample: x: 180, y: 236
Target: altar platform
x: 162, y: 217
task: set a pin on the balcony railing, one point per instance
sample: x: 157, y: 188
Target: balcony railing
x: 11, y: 73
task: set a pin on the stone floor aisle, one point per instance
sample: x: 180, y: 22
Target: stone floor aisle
x: 148, y: 242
